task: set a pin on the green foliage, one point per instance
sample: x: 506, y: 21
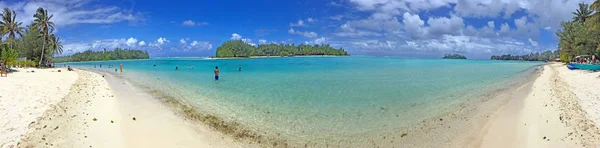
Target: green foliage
x: 582, y: 35
x: 237, y: 48
x: 117, y: 54
x: 454, y: 56
x: 582, y: 14
x: 8, y: 55
x: 9, y: 25
x: 544, y: 56
x: 28, y: 63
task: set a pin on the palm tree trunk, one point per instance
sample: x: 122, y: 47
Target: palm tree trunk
x: 42, y: 57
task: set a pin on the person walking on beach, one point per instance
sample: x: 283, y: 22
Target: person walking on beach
x: 217, y: 73
x: 121, y: 66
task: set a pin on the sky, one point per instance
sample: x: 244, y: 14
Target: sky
x: 403, y: 28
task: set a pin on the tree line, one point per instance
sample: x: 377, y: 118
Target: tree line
x: 237, y: 48
x: 117, y: 54
x: 454, y: 56
x: 544, y: 56
x: 36, y: 41
x: 581, y: 36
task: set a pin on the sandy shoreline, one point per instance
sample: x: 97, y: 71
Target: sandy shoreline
x: 550, y: 115
x: 99, y: 112
x: 560, y: 108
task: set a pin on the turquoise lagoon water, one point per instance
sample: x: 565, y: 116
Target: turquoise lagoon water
x: 321, y: 98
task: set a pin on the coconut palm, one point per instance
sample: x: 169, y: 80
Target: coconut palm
x: 583, y: 13
x: 42, y: 21
x: 9, y: 25
x: 55, y: 45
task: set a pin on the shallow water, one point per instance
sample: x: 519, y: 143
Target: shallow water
x: 321, y: 98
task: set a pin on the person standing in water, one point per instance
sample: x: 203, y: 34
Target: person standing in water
x: 240, y: 69
x: 121, y: 66
x: 217, y: 73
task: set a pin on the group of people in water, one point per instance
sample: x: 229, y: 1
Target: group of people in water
x: 111, y: 66
x: 216, y: 70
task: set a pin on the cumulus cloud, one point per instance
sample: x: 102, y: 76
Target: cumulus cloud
x: 414, y: 25
x: 236, y: 36
x: 162, y: 40
x: 73, y: 12
x: 192, y: 23
x: 131, y: 42
x: 182, y: 41
x: 142, y: 43
x: 303, y: 33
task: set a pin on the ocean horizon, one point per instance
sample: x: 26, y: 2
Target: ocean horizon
x: 323, y: 100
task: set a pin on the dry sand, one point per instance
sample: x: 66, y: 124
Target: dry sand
x: 99, y: 111
x: 551, y: 115
x: 26, y: 95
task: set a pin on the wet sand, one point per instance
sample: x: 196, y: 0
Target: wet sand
x: 108, y: 112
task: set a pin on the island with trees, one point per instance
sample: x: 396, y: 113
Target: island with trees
x: 454, y: 56
x: 117, y: 54
x: 239, y: 49
x: 544, y: 56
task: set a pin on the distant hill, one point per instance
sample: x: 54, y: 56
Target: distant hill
x: 454, y: 56
x: 237, y: 48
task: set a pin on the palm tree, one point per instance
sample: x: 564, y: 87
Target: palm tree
x: 9, y: 25
x: 42, y: 21
x: 55, y: 45
x: 582, y: 14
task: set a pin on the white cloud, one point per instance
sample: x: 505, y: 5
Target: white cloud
x: 249, y: 42
x: 192, y: 23
x: 262, y: 41
x: 443, y: 25
x: 414, y: 25
x: 311, y: 20
x: 142, y: 43
x: 162, y: 40
x: 203, y: 45
x: 236, y: 36
x: 533, y: 43
x: 182, y: 41
x: 131, y: 42
x: 305, y: 34
x: 74, y: 12
x: 321, y: 40
x: 300, y: 23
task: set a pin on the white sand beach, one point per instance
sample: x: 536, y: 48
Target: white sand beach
x: 85, y: 109
x: 561, y: 110
x: 25, y: 96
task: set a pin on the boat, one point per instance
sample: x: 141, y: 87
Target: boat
x: 593, y: 67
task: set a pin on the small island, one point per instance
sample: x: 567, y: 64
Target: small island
x: 454, y: 56
x: 117, y: 54
x: 239, y: 49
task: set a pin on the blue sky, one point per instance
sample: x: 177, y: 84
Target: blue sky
x: 407, y: 28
